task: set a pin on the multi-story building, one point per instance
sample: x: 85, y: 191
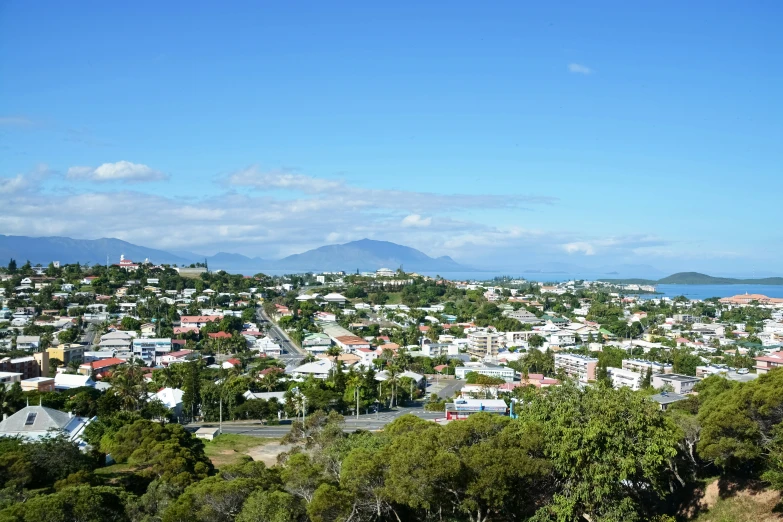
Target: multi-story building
x: 484, y: 344
x: 490, y: 370
x: 67, y: 353
x: 683, y: 318
x: 580, y: 367
x: 682, y: 384
x: 621, y: 377
x: 28, y: 342
x: 150, y: 350
x: 641, y: 366
x: 30, y: 366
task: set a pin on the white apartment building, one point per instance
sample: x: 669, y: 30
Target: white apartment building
x: 484, y: 344
x: 561, y: 338
x: 151, y: 349
x: 682, y: 384
x: 576, y: 366
x: 641, y: 365
x: 490, y: 370
x: 628, y: 378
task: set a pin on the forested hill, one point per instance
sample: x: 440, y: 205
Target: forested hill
x: 696, y: 278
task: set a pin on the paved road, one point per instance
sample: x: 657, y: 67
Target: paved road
x: 277, y: 333
x: 89, y: 334
x: 371, y: 422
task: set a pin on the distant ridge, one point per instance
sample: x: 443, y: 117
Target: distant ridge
x: 365, y: 254
x: 696, y: 278
x: 368, y: 254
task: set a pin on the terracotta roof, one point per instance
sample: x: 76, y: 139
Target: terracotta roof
x: 351, y: 339
x: 180, y: 353
x: 105, y: 363
x: 199, y: 318
x: 220, y: 335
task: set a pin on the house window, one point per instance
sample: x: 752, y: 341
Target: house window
x: 30, y: 419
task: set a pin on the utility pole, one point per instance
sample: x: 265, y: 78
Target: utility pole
x: 356, y: 392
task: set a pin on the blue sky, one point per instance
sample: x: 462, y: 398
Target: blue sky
x: 508, y: 135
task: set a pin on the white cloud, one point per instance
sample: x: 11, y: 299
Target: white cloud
x: 579, y: 68
x: 119, y: 171
x: 16, y: 121
x: 11, y: 185
x: 415, y: 220
x: 579, y: 247
x: 281, y: 180
x: 28, y: 181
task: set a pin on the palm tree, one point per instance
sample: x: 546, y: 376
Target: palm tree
x: 269, y: 381
x: 128, y: 385
x: 334, y: 352
x: 165, y: 378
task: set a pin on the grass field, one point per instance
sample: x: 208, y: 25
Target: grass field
x: 229, y: 448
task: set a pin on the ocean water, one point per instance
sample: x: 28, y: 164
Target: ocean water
x: 706, y: 291
x: 689, y: 291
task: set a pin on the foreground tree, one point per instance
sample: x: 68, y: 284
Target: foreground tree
x: 612, y: 452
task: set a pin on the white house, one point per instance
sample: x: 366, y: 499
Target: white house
x: 67, y: 381
x: 335, y: 298
x: 171, y: 399
x: 35, y: 422
x: 319, y: 369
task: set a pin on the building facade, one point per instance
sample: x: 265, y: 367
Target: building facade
x: 579, y: 367
x: 484, y: 344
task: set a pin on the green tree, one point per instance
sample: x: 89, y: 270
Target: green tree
x: 612, y: 452
x: 272, y: 506
x: 80, y: 503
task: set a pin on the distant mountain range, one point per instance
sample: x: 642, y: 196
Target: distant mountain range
x: 696, y: 278
x: 366, y: 254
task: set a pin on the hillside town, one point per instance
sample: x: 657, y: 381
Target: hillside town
x: 71, y: 328
x: 109, y: 361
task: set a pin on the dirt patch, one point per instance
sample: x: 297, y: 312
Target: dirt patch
x: 268, y: 452
x: 724, y: 500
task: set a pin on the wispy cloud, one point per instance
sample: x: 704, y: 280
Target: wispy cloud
x: 578, y: 68
x: 24, y: 182
x: 341, y: 195
x: 16, y: 121
x: 119, y: 171
x: 631, y: 243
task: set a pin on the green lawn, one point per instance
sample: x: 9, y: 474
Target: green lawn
x: 229, y: 448
x: 394, y: 298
